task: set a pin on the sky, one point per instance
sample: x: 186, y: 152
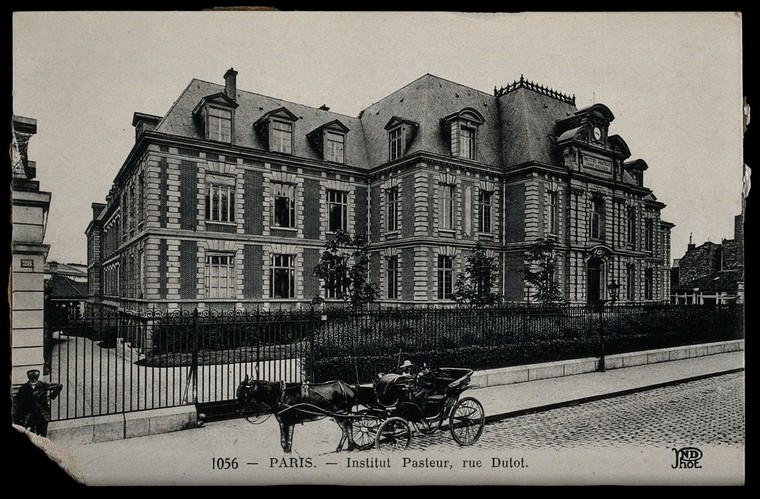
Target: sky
x: 672, y: 80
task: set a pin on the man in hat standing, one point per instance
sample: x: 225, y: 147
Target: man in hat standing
x: 33, y: 400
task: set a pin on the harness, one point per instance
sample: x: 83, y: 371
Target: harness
x: 306, y: 391
x: 306, y: 407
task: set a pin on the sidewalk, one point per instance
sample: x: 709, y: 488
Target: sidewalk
x: 185, y: 457
x: 505, y: 401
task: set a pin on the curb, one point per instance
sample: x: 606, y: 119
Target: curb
x: 106, y: 428
x: 582, y: 400
x: 557, y: 369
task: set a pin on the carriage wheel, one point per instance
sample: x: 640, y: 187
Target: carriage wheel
x: 364, y: 431
x: 394, y: 434
x: 466, y: 421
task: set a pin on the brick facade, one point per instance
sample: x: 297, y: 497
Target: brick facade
x: 194, y: 222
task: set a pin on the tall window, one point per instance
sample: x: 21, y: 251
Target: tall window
x: 631, y: 214
x: 141, y: 274
x: 446, y: 207
x: 445, y: 277
x: 219, y: 124
x: 597, y: 210
x: 484, y: 211
x: 220, y: 276
x: 337, y: 205
x: 649, y: 234
x: 334, y: 147
x: 131, y: 277
x: 553, y: 212
x: 395, y: 143
x: 282, y: 277
x: 284, y: 206
x: 282, y: 137
x: 141, y: 194
x: 125, y: 215
x: 391, y: 201
x: 467, y: 142
x: 335, y: 287
x: 392, y: 277
x: 220, y: 202
x: 131, y: 207
x: 648, y: 284
x: 630, y: 282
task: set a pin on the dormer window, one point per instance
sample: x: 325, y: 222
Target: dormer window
x: 329, y: 140
x: 276, y: 130
x: 334, y: 147
x: 215, y: 117
x: 462, y: 129
x: 395, y: 143
x: 282, y: 137
x: 467, y: 136
x: 219, y: 124
x: 401, y: 133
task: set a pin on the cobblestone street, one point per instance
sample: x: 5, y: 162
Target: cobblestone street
x: 704, y: 412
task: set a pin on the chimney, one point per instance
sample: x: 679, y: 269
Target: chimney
x: 691, y: 246
x: 324, y: 107
x: 230, y: 84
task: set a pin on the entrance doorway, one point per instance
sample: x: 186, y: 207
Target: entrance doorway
x: 594, y: 280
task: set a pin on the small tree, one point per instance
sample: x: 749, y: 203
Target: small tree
x: 477, y: 283
x: 344, y: 268
x: 540, y: 269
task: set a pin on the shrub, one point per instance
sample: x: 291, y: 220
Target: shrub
x: 173, y: 334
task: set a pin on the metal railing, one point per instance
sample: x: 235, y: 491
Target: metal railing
x: 357, y: 346
x: 111, y: 361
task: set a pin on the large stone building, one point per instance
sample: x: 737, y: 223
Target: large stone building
x: 228, y: 199
x: 30, y: 208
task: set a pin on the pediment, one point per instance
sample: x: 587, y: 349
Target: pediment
x: 280, y: 112
x: 220, y: 99
x: 467, y: 114
x: 397, y: 121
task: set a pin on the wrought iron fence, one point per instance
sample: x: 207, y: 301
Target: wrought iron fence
x: 113, y: 361
x: 358, y: 346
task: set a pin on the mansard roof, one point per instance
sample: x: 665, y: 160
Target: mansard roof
x: 521, y: 124
x: 251, y: 108
x: 426, y: 101
x: 529, y: 126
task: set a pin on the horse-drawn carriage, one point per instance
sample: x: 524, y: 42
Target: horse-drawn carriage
x: 384, y: 414
x: 397, y: 405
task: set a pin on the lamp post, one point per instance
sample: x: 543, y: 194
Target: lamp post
x: 613, y: 289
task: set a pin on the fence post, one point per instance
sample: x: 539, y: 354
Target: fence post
x: 257, y: 330
x: 312, y: 332
x: 194, y: 362
x: 602, y: 367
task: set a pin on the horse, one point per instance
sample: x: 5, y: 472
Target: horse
x: 294, y: 403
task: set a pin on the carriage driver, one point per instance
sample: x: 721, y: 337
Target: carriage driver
x: 419, y: 385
